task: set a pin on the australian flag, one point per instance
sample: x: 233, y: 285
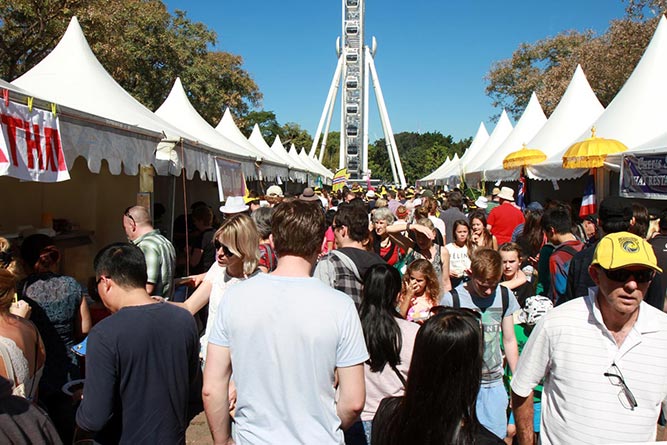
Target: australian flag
x: 588, y: 206
x: 522, y: 196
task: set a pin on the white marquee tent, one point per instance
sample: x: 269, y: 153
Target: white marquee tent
x: 454, y: 168
x: 71, y: 76
x: 531, y: 121
x: 574, y: 114
x: 472, y: 159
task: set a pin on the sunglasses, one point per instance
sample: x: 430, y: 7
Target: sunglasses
x: 218, y: 245
x: 622, y: 275
x: 127, y: 213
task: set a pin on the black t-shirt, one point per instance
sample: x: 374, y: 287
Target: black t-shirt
x: 139, y: 365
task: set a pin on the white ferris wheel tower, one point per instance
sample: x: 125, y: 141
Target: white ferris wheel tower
x: 354, y: 71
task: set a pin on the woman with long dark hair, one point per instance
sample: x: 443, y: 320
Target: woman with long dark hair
x: 389, y: 339
x: 445, y: 374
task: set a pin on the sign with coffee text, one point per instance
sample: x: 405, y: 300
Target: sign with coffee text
x: 30, y: 146
x: 644, y: 176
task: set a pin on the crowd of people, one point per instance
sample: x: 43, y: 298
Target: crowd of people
x: 360, y: 317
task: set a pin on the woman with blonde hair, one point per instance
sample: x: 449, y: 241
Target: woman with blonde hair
x: 237, y: 258
x: 21, y: 349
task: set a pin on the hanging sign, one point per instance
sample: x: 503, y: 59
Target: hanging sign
x: 230, y: 178
x: 30, y: 146
x: 644, y: 176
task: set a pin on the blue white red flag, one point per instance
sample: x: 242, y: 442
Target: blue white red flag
x: 521, y: 196
x: 588, y: 206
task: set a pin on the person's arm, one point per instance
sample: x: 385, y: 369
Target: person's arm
x: 198, y: 299
x: 495, y: 242
x: 509, y: 342
x: 195, y: 256
x: 352, y: 394
x: 446, y: 282
x: 98, y: 393
x: 215, y: 393
x: 523, y: 417
x: 517, y: 281
x: 83, y: 319
x: 152, y: 268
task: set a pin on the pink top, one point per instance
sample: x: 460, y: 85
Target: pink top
x: 386, y: 383
x: 328, y: 237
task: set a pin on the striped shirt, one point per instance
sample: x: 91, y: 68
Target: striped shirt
x: 572, y: 349
x: 160, y: 262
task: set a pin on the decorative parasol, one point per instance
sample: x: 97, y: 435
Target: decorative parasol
x: 523, y: 157
x: 591, y: 153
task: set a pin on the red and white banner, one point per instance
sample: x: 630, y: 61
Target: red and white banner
x: 30, y: 146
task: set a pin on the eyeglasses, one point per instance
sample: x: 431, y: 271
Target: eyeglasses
x: 622, y: 275
x: 627, y: 399
x: 99, y: 280
x: 218, y: 245
x: 129, y: 215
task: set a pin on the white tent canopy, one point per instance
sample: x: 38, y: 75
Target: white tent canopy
x: 71, y: 75
x: 272, y: 165
x: 178, y: 110
x: 530, y: 122
x: 471, y: 159
x: 315, y: 164
x: 638, y: 114
x: 575, y: 113
x: 297, y: 171
x: 454, y: 169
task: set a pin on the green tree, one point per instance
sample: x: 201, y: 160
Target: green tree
x: 139, y: 42
x: 546, y: 67
x: 294, y: 134
x: 267, y: 122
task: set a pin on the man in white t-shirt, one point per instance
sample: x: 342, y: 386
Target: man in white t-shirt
x: 287, y: 336
x: 603, y: 356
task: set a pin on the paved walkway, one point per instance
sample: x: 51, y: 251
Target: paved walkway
x: 198, y: 432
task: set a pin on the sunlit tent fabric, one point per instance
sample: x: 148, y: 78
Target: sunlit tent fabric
x: 178, y: 111
x: 470, y: 162
x: 644, y: 97
x: 454, y: 169
x: 574, y: 114
x: 257, y: 140
x: 433, y: 175
x: 294, y: 155
x: 271, y: 166
x: 71, y: 76
x: 315, y: 165
x: 530, y: 122
x: 297, y: 171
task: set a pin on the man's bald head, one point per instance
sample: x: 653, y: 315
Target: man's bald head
x: 136, y: 222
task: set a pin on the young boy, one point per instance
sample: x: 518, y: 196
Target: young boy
x: 496, y: 305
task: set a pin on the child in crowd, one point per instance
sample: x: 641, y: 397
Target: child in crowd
x: 459, y: 261
x: 513, y: 276
x: 420, y: 292
x: 480, y: 235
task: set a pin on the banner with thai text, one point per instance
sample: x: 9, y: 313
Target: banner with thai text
x: 230, y: 178
x: 644, y: 176
x: 30, y: 146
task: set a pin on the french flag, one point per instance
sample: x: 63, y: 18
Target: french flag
x: 521, y: 196
x: 588, y: 206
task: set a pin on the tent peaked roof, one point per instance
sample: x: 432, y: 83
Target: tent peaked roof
x: 278, y: 148
x: 530, y: 122
x: 575, y: 114
x: 454, y: 168
x: 227, y: 127
x: 177, y: 110
x: 72, y: 76
x: 498, y: 135
x: 639, y: 111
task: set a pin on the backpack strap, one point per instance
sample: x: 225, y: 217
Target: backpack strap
x: 505, y: 294
x: 456, y: 301
x: 399, y: 375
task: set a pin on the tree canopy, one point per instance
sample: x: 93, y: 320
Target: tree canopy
x: 420, y: 153
x: 546, y: 66
x: 139, y: 43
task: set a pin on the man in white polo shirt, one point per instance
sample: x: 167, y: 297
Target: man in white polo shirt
x: 603, y: 356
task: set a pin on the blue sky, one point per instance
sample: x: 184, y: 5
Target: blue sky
x: 432, y: 54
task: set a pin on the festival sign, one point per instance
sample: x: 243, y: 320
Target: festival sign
x: 644, y: 176
x: 30, y: 146
x: 230, y: 178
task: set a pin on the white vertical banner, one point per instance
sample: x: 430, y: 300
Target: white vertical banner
x: 30, y: 146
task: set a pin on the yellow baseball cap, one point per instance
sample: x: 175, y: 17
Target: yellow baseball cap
x: 622, y: 249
